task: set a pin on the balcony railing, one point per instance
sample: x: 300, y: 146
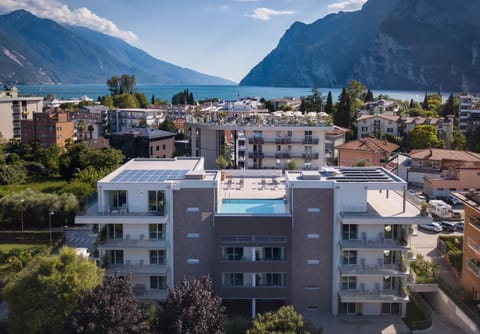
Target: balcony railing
x: 474, y: 266
x: 352, y: 296
x: 150, y: 294
x: 283, y: 155
x: 254, y: 239
x: 374, y: 244
x: 311, y: 140
x: 256, y: 155
x: 132, y: 243
x: 310, y: 155
x: 136, y: 269
x: 256, y: 140
x: 372, y: 269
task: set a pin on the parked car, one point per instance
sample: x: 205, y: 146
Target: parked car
x: 422, y: 197
x: 453, y: 200
x: 459, y: 226
x: 431, y: 227
x: 448, y: 226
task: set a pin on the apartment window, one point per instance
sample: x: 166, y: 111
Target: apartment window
x: 157, y: 256
x: 119, y: 198
x: 193, y: 235
x: 349, y: 257
x: 115, y: 231
x: 349, y: 283
x: 232, y: 279
x: 114, y: 256
x: 270, y: 254
x: 279, y: 148
x: 163, y: 147
x: 158, y: 283
x: 156, y: 231
x: 156, y: 201
x: 157, y: 148
x: 389, y: 130
x: 193, y: 261
x: 270, y: 279
x: 232, y: 253
x: 387, y: 283
x: 349, y: 232
x: 289, y: 133
x: 308, y: 133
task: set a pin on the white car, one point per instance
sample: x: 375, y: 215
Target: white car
x: 431, y: 227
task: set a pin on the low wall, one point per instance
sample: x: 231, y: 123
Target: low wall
x: 448, y: 309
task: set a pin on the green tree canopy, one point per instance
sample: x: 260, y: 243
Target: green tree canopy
x: 423, y: 136
x: 124, y: 84
x: 284, y: 321
x: 168, y: 125
x: 47, y: 291
x: 312, y: 102
x: 183, y: 97
x: 329, y: 104
x: 191, y: 307
x: 109, y: 308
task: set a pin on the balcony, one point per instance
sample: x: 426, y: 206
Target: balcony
x: 475, y: 222
x: 136, y: 269
x: 92, y: 215
x: 141, y: 293
x: 256, y: 140
x: 310, y: 155
x: 475, y: 246
x: 370, y: 269
x: 283, y: 140
x: 256, y: 155
x: 311, y: 140
x: 127, y: 243
x: 374, y: 244
x: 283, y: 155
x: 474, y: 266
x: 379, y: 296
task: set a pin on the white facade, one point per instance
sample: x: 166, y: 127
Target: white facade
x: 123, y: 119
x: 13, y: 109
x: 469, y: 113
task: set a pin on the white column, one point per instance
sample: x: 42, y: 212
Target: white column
x: 321, y: 153
x: 254, y: 308
x: 193, y: 141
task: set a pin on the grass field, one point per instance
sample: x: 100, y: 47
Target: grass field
x: 46, y: 186
x: 7, y: 248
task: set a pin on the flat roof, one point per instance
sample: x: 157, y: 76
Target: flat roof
x: 154, y: 170
x: 346, y: 175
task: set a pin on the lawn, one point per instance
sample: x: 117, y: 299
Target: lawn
x: 7, y: 248
x: 46, y: 186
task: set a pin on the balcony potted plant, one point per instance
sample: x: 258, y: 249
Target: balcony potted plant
x: 221, y: 163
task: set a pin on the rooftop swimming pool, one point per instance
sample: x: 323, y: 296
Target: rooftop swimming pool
x: 253, y: 206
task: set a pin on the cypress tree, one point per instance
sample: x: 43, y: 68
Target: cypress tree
x: 425, y: 102
x: 329, y: 104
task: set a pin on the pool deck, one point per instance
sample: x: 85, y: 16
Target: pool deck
x: 253, y: 187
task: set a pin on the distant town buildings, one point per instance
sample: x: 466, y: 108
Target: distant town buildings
x: 13, y: 109
x: 469, y: 113
x: 47, y: 128
x: 124, y: 119
x: 371, y: 151
x: 144, y: 143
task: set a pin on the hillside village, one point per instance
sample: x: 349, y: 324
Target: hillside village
x: 289, y: 201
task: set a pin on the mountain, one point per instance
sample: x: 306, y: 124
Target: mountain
x: 35, y: 50
x: 388, y: 44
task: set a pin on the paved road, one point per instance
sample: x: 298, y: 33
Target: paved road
x: 80, y: 237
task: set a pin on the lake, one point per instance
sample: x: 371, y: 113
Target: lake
x: 200, y: 92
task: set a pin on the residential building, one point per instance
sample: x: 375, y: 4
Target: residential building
x: 47, y: 128
x: 13, y: 109
x: 430, y: 163
x: 377, y: 125
x: 334, y: 138
x: 469, y: 113
x: 455, y: 176
x: 331, y: 240
x: 444, y: 126
x: 124, y: 119
x: 385, y: 107
x: 373, y: 152
x: 144, y: 143
x: 260, y: 140
x: 471, y: 243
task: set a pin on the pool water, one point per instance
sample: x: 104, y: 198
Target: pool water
x: 253, y: 206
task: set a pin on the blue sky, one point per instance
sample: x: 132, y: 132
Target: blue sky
x: 219, y: 37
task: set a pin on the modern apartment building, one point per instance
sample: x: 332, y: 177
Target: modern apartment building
x: 13, y: 109
x: 124, y: 119
x: 471, y: 243
x: 260, y: 140
x: 332, y: 240
x: 469, y: 113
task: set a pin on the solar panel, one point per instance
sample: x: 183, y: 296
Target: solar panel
x: 149, y: 175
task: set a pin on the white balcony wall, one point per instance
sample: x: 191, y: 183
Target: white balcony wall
x: 352, y: 198
x: 371, y: 256
x: 136, y: 255
x: 372, y: 231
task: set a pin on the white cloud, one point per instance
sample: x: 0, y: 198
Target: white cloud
x: 224, y: 8
x: 265, y: 14
x: 347, y: 5
x: 59, y: 12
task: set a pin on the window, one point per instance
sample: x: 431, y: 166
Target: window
x: 389, y: 130
x: 158, y: 283
x: 313, y: 261
x: 193, y: 261
x: 313, y: 236
x: 156, y: 201
x: 349, y: 283
x: 157, y: 257
x: 156, y: 231
x: 270, y: 254
x: 157, y: 148
x: 349, y: 232
x: 115, y: 231
x: 119, y: 198
x: 163, y: 147
x: 232, y: 253
x: 313, y: 210
x: 349, y: 257
x: 270, y: 279
x: 114, y: 256
x: 387, y: 283
x: 232, y: 279
x: 193, y: 235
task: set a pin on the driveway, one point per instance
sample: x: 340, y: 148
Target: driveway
x: 80, y: 237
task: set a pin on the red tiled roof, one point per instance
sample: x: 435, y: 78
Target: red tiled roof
x: 369, y: 144
x: 441, y: 154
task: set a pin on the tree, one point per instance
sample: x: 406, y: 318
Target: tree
x: 368, y: 96
x: 458, y: 140
x: 168, y: 125
x: 312, y: 102
x: 221, y: 162
x: 107, y: 101
x: 329, y: 104
x: 184, y: 97
x: 425, y: 102
x: 450, y: 107
x: 343, y: 115
x: 356, y: 90
x: 423, y: 136
x: 284, y: 321
x: 47, y: 291
x: 90, y: 130
x: 141, y: 99
x: 109, y: 308
x: 474, y: 140
x: 191, y: 307
x: 114, y: 85
x: 81, y: 128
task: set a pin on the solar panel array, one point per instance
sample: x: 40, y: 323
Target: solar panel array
x: 150, y: 175
x: 361, y: 175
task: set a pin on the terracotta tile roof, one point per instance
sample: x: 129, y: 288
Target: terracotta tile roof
x: 369, y: 144
x: 440, y: 154
x: 337, y: 130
